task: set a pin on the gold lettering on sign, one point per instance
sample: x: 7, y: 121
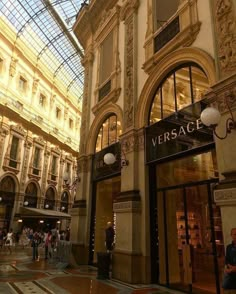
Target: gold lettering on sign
x: 174, y: 133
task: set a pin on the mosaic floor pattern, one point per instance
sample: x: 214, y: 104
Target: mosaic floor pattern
x: 20, y: 275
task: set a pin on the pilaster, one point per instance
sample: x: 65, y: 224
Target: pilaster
x: 224, y: 95
x: 129, y: 259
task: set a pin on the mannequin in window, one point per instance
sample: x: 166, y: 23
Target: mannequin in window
x: 109, y: 237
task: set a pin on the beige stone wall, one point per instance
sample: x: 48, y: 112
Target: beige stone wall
x: 21, y: 115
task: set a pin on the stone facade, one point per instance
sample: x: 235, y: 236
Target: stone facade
x: 138, y: 67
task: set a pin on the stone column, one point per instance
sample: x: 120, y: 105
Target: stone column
x: 47, y: 153
x: 130, y: 257
x: 129, y: 16
x: 4, y: 131
x: 27, y: 144
x: 79, y: 226
x: 225, y: 193
x: 224, y: 15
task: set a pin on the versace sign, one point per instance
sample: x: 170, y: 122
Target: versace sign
x: 177, y: 134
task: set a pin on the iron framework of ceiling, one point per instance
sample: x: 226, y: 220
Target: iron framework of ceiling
x: 46, y: 27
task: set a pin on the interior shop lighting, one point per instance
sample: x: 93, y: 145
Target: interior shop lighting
x: 211, y: 117
x: 46, y: 206
x: 26, y: 203
x: 0, y: 199
x: 63, y: 208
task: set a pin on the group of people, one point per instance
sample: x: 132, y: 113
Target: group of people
x: 48, y: 240
x: 33, y: 238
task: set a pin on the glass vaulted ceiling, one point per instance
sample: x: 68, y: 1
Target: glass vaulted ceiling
x: 46, y: 27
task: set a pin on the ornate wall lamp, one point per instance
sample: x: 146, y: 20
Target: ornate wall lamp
x: 211, y: 118
x: 26, y: 203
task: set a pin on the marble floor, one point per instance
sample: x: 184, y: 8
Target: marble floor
x: 20, y: 274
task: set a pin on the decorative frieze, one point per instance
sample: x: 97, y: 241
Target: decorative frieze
x: 225, y: 196
x: 128, y: 15
x: 225, y: 20
x: 127, y: 206
x: 132, y: 141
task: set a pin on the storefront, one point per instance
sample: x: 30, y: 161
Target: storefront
x: 187, y: 249
x: 106, y: 189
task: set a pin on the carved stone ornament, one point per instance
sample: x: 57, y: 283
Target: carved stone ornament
x: 18, y: 105
x: 226, y: 35
x: 35, y: 85
x: 18, y: 129
x: 52, y: 99
x: 228, y: 95
x: 12, y: 69
x: 129, y: 8
x: 129, y: 74
x: 40, y: 141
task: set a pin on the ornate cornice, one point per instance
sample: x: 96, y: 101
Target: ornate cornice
x: 18, y: 129
x: 129, y: 8
x: 112, y: 97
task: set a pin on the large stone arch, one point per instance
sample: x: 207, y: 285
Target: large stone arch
x: 100, y: 117
x: 14, y: 178
x: 37, y: 185
x: 171, y: 61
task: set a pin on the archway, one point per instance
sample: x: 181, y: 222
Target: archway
x: 7, y: 199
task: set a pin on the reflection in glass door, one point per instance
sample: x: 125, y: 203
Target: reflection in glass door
x: 191, y: 253
x: 188, y: 245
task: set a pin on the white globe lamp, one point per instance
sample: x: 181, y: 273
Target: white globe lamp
x: 210, y: 116
x: 109, y: 158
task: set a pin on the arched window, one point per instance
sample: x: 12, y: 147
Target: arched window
x: 30, y: 198
x: 108, y: 133
x: 8, y: 185
x: 49, y: 199
x: 185, y: 85
x: 7, y: 198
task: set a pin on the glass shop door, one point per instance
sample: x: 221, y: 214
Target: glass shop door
x: 192, y: 240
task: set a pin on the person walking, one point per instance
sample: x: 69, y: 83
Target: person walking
x: 229, y: 279
x: 34, y: 244
x: 47, y: 241
x: 9, y: 240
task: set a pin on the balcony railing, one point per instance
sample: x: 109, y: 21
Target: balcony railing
x: 167, y: 34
